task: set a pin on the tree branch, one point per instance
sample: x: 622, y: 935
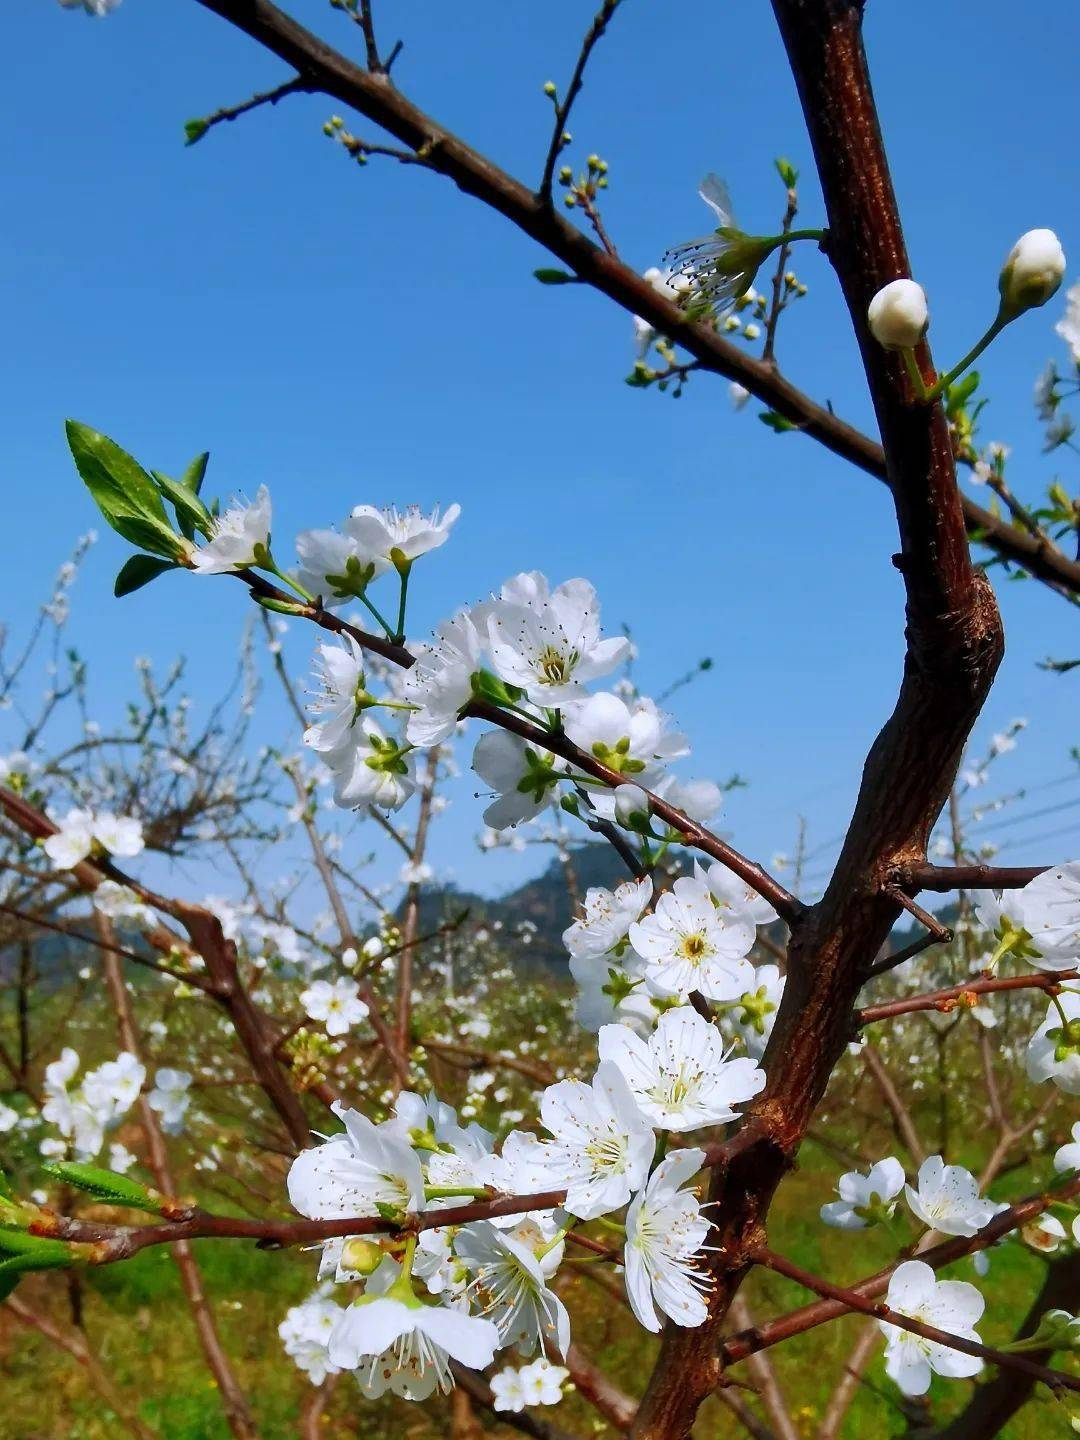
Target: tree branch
x: 335, y: 75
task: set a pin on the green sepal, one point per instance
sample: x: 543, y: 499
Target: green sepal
x: 124, y: 493
x: 106, y: 1185
x: 138, y: 571
x: 486, y: 686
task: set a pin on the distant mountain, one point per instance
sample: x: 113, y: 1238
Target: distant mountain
x: 544, y: 902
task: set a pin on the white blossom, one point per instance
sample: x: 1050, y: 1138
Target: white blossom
x: 373, y: 770
x: 1053, y: 1052
x: 1068, y: 327
x: 689, y: 945
x: 606, y: 917
x: 864, y: 1199
x: 602, y: 1143
x: 171, y: 1098
x: 336, y: 1003
x: 520, y: 774
x: 341, y: 699
x: 665, y: 1230
x: 542, y: 1381
x: 400, y: 536
x: 440, y: 683
x: 548, y: 642
x: 949, y: 1305
x: 1068, y: 1156
x: 393, y: 1341
x: 948, y: 1200
x: 510, y: 1288
x: 355, y: 1172
x: 1050, y: 909
x: 631, y: 740
x: 680, y: 1076
x: 305, y: 1333
x: 239, y: 538
x: 752, y: 1016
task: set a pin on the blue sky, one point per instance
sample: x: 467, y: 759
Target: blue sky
x: 371, y: 335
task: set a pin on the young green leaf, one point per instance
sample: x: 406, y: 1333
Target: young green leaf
x: 195, y: 473
x: 106, y: 1185
x: 775, y: 421
x: 138, y: 571
x: 125, y: 494
x: 555, y: 277
x: 191, y: 513
x: 194, y: 130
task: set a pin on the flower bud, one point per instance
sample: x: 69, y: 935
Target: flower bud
x: 1032, y: 273
x: 631, y: 806
x: 362, y: 1256
x: 898, y: 315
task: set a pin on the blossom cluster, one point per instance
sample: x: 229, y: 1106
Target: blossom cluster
x: 82, y: 1113
x: 82, y: 833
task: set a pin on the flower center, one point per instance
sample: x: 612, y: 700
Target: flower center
x: 694, y: 948
x: 555, y: 666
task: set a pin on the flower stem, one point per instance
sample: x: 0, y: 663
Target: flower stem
x: 404, y: 573
x: 386, y: 628
x: 972, y: 355
x: 914, y: 374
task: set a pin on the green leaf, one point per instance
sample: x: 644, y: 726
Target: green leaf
x: 7, y: 1283
x: 32, y: 1252
x: 105, y: 1185
x: 191, y: 513
x: 6, y: 1192
x: 775, y: 421
x: 125, y: 494
x: 195, y: 473
x: 787, y: 172
x: 138, y: 571
x: 194, y: 130
x: 555, y: 277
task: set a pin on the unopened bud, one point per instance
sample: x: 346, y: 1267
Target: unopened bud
x: 1032, y: 273
x: 363, y: 1256
x: 898, y: 315
x: 631, y: 806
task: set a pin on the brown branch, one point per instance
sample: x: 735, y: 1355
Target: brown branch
x: 954, y: 646
x: 233, y: 1400
x: 335, y: 75
x: 1056, y: 1379
x: 577, y: 79
x: 189, y: 977
x: 254, y: 1029
x: 902, y: 1117
x: 946, y: 1001
x: 297, y: 85
x: 944, y: 878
